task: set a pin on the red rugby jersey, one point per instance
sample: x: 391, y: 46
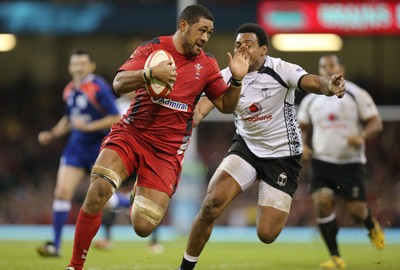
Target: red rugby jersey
x: 166, y: 123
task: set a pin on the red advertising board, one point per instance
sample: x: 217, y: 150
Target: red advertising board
x: 346, y: 18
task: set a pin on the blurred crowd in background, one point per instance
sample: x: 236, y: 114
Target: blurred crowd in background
x: 35, y: 73
x: 28, y: 171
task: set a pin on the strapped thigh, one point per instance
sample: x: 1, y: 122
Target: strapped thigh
x: 239, y: 169
x: 147, y: 209
x: 273, y: 197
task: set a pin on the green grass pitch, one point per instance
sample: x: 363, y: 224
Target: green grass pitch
x: 130, y: 255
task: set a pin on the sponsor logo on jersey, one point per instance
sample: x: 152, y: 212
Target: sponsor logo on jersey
x: 172, y: 104
x: 332, y: 117
x: 258, y: 118
x: 254, y: 108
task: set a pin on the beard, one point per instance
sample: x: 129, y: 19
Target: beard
x: 189, y: 48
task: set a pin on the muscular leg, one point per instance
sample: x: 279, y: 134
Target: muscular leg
x: 272, y: 212
x: 102, y: 185
x: 221, y: 191
x: 360, y: 212
x: 324, y: 204
x: 148, y: 209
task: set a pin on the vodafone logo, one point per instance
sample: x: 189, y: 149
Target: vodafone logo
x: 332, y: 117
x: 255, y: 109
x: 258, y: 118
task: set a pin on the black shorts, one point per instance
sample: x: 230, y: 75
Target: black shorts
x: 346, y: 180
x: 281, y: 173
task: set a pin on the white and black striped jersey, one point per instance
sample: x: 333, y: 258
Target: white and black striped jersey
x: 334, y: 119
x: 265, y: 115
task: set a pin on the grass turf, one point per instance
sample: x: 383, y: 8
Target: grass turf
x: 129, y: 255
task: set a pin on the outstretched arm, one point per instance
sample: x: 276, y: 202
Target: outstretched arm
x: 329, y: 86
x: 62, y: 127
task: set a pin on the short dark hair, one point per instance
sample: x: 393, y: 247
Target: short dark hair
x: 257, y: 30
x: 80, y: 51
x: 192, y: 14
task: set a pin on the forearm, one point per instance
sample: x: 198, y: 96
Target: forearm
x: 231, y: 96
x: 103, y: 123
x: 61, y: 128
x: 203, y: 108
x: 128, y: 81
x: 328, y: 86
x: 372, y: 127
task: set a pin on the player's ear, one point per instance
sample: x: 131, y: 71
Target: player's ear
x: 93, y: 66
x: 183, y: 26
x: 263, y: 50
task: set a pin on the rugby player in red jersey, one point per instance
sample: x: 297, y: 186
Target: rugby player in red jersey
x: 153, y: 135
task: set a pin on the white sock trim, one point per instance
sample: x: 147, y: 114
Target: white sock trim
x: 190, y: 258
x: 326, y: 219
x: 61, y: 205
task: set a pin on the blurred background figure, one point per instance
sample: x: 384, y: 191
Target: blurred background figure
x: 90, y: 111
x: 338, y: 130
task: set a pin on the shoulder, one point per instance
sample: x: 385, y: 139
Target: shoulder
x: 101, y: 81
x: 67, y: 90
x: 210, y: 55
x: 210, y: 61
x: 283, y: 67
x: 148, y: 46
x: 356, y: 91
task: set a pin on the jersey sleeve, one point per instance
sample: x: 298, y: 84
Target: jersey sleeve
x: 292, y: 73
x: 216, y: 85
x: 137, y: 59
x: 367, y: 106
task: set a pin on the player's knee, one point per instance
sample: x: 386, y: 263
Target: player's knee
x: 211, y: 208
x: 98, y: 194
x: 145, y: 215
x: 143, y: 228
x: 266, y: 237
x: 63, y: 193
x: 323, y: 201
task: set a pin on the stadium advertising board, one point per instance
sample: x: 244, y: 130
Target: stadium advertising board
x: 346, y: 18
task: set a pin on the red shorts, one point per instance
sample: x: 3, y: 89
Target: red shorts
x: 155, y: 169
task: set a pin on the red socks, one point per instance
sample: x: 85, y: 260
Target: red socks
x: 87, y: 226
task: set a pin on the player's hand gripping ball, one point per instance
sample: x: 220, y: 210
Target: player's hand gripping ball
x: 155, y: 88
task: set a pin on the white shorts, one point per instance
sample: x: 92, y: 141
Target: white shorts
x: 245, y: 175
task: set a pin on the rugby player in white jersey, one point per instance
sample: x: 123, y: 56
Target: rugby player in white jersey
x: 267, y: 146
x: 337, y: 159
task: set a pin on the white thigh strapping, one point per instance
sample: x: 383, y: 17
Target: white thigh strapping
x: 270, y: 196
x: 240, y: 170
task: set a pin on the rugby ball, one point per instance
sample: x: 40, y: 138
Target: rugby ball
x: 156, y: 88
